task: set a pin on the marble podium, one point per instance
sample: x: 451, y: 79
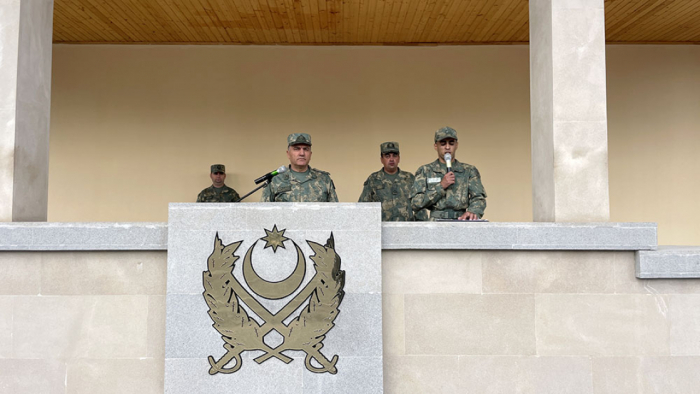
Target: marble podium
x: 274, y: 298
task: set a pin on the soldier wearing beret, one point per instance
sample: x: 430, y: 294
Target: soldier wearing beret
x: 392, y: 187
x: 457, y: 194
x: 218, y: 191
x: 302, y: 183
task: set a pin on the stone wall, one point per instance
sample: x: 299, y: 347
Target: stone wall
x: 536, y: 322
x: 454, y: 321
x: 82, y: 322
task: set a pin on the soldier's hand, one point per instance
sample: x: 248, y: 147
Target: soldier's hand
x: 469, y: 216
x: 447, y: 180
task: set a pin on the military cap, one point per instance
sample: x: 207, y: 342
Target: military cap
x: 389, y: 147
x: 445, y: 132
x: 218, y: 168
x: 298, y: 138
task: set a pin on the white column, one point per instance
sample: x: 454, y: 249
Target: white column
x: 568, y: 111
x: 25, y: 103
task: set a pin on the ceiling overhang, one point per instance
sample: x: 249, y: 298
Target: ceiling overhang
x: 351, y: 22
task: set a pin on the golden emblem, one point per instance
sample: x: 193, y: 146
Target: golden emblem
x: 306, y: 332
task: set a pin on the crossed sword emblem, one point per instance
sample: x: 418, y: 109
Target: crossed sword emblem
x: 273, y: 290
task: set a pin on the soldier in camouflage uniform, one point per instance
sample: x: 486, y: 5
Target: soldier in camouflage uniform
x: 457, y: 194
x: 302, y: 183
x: 218, y: 191
x: 391, y: 187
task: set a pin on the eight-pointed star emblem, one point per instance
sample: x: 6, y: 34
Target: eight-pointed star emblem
x: 274, y: 239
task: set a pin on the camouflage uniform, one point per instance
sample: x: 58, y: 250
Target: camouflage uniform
x: 227, y: 194
x: 394, y: 194
x: 224, y: 194
x: 311, y: 186
x: 316, y: 186
x: 392, y: 190
x: 466, y: 194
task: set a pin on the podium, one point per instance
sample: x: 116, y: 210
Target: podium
x: 274, y: 297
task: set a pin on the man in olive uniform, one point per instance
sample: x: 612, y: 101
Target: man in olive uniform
x: 456, y: 194
x: 302, y: 183
x: 218, y: 191
x: 391, y: 187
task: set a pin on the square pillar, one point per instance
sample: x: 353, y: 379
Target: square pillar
x: 26, y: 30
x: 568, y: 111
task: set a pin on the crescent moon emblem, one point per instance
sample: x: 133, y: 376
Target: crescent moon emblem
x: 273, y: 290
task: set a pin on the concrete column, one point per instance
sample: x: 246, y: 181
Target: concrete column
x: 568, y: 111
x: 26, y: 29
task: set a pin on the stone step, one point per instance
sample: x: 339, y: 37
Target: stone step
x: 668, y: 262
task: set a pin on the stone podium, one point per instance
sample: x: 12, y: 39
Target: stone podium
x: 282, y: 298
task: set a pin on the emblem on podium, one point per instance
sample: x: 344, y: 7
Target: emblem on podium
x: 319, y: 301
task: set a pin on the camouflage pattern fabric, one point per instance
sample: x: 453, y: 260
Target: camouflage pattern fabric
x: 315, y: 186
x: 467, y: 193
x: 227, y: 194
x: 395, y: 195
x: 389, y: 147
x: 218, y: 168
x: 445, y: 132
x: 298, y: 138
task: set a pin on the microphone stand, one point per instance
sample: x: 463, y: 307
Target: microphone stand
x: 254, y: 190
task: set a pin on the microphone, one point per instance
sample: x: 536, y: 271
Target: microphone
x: 448, y: 162
x: 271, y: 174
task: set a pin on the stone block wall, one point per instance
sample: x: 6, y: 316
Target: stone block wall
x: 82, y: 322
x: 536, y: 322
x: 454, y: 321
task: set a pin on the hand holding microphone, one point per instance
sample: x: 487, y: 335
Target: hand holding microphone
x: 449, y: 178
x: 270, y: 175
x: 448, y: 162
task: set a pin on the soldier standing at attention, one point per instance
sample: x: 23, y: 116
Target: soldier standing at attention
x: 218, y: 191
x: 456, y: 194
x: 391, y: 187
x: 302, y: 183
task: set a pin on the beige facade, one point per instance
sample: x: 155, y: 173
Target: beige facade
x: 136, y: 127
x: 454, y: 321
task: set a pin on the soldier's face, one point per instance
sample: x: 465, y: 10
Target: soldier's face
x: 217, y: 178
x: 448, y: 145
x: 299, y: 155
x: 390, y: 162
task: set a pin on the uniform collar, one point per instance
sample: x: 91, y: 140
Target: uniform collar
x: 310, y: 174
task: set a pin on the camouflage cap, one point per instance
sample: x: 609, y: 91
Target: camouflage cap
x: 298, y: 138
x: 389, y: 147
x: 218, y: 168
x: 445, y: 132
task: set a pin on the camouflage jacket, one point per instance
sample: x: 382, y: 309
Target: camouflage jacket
x: 316, y: 187
x: 467, y: 193
x: 394, y: 194
x: 227, y: 195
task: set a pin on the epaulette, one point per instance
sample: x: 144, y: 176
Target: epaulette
x: 321, y: 171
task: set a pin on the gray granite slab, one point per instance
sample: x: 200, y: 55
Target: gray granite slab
x: 42, y: 236
x: 519, y: 236
x: 358, y: 377
x: 356, y: 337
x: 426, y: 235
x: 668, y: 262
x: 189, y: 375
